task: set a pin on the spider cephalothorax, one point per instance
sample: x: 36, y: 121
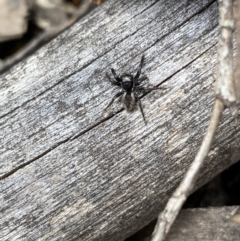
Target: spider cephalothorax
x: 130, y: 87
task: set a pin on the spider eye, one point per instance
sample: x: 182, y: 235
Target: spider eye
x: 127, y: 84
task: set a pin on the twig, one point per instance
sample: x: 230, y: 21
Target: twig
x: 226, y: 95
x: 43, y: 38
x: 225, y: 87
x: 174, y: 205
x: 237, y: 59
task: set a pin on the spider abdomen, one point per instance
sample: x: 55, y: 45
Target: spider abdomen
x: 129, y: 101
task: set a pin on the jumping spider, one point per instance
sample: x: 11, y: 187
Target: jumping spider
x: 130, y: 86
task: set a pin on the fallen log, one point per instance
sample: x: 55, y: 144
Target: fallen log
x: 69, y: 173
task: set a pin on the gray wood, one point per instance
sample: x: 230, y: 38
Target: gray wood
x: 67, y: 172
x: 207, y: 224
x: 198, y: 224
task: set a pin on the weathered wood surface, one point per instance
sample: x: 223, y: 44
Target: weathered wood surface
x: 68, y: 173
x: 207, y: 224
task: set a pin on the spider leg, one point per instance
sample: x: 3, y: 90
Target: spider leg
x: 112, y: 100
x: 141, y: 109
x: 140, y: 80
x: 144, y: 90
x: 116, y: 76
x: 155, y: 88
x: 112, y: 81
x: 139, y: 69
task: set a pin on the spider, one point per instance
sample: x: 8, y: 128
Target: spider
x: 130, y: 87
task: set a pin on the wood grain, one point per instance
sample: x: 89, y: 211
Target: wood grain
x: 220, y: 223
x: 197, y: 224
x: 67, y: 172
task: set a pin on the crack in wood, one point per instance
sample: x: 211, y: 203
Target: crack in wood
x: 96, y: 124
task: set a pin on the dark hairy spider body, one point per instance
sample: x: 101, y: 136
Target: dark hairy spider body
x: 130, y: 88
x: 128, y: 97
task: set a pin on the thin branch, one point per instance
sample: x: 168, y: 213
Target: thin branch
x: 225, y: 86
x: 174, y: 205
x: 237, y: 59
x: 226, y: 95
